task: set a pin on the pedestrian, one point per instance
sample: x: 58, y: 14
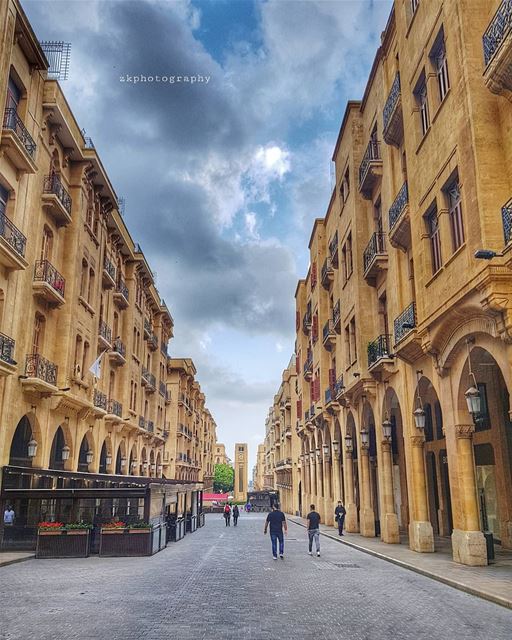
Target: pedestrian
x: 9, y: 516
x: 277, y: 523
x: 314, y: 530
x: 236, y: 513
x: 227, y: 515
x: 339, y: 516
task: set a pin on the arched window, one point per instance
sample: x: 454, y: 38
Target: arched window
x: 119, y: 468
x: 18, y: 454
x: 83, y: 279
x: 103, y: 459
x: 38, y: 335
x: 429, y: 429
x: 56, y: 461
x: 46, y: 244
x: 82, y: 456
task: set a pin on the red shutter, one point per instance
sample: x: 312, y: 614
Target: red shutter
x: 318, y: 388
x: 332, y: 378
x: 297, y: 363
x: 297, y: 320
x: 313, y: 275
x: 314, y: 334
x: 299, y: 409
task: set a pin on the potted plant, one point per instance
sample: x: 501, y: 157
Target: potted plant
x: 126, y: 545
x: 113, y: 528
x: 59, y: 540
x: 50, y: 528
x: 139, y: 527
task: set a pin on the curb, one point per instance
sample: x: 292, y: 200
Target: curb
x: 15, y: 561
x: 484, y: 595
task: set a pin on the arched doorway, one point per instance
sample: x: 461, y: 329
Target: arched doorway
x: 104, y: 458
x: 369, y: 425
x: 58, y: 450
x: 132, y: 463
x: 19, y: 454
x: 85, y: 455
x: 351, y: 474
x: 492, y: 443
x: 392, y: 410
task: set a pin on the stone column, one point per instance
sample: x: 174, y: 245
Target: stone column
x: 468, y: 545
x: 389, y: 519
x: 319, y: 500
x: 421, y: 534
x: 328, y: 505
x: 367, y: 514
x: 336, y: 476
x: 351, y: 524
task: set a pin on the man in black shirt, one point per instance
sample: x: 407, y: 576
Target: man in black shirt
x: 277, y: 522
x: 339, y: 516
x: 314, y: 530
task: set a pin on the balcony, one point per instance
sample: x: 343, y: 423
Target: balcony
x: 375, y: 258
x: 41, y: 374
x: 12, y: 245
x: 104, y: 335
x: 100, y: 400
x: 150, y: 426
x: 399, y: 220
x: 56, y: 200
x: 327, y: 275
x: 147, y: 329
x: 307, y: 321
x: 17, y: 143
x: 7, y: 361
x: 142, y: 423
x: 407, y: 347
x: 114, y: 410
x: 336, y: 317
x: 121, y: 294
x: 109, y: 273
x: 118, y: 354
x: 370, y: 169
x: 153, y: 343
x: 330, y: 397
x: 148, y: 380
x: 339, y: 387
x: 48, y: 283
x: 393, y: 120
x: 308, y: 367
x: 162, y: 389
x: 506, y: 215
x: 497, y: 44
x: 333, y: 250
x: 379, y: 353
x: 287, y: 402
x: 329, y: 335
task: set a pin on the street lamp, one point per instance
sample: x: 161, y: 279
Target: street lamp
x: 326, y: 449
x: 159, y: 469
x: 387, y: 429
x: 152, y: 467
x: 473, y: 399
x: 335, y: 446
x: 348, y: 443
x: 108, y: 459
x: 365, y: 438
x: 32, y: 448
x: 123, y: 462
x: 89, y: 456
x: 317, y: 451
x: 419, y: 412
x: 65, y: 452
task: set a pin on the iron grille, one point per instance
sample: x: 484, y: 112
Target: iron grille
x: 58, y: 54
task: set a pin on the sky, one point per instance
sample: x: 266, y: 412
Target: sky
x: 222, y: 177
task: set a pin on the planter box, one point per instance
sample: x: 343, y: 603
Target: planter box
x: 63, y: 544
x: 122, y: 542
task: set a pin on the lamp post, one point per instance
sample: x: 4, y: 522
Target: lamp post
x: 419, y: 412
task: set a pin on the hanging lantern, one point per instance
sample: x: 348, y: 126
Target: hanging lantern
x: 335, y: 446
x: 348, y: 442
x: 387, y: 429
x: 144, y: 466
x: 65, y: 452
x: 474, y: 401
x: 89, y: 456
x: 108, y: 459
x: 317, y: 451
x: 123, y: 462
x: 134, y: 464
x: 419, y: 418
x: 159, y: 469
x: 32, y: 448
x: 152, y: 467
x: 326, y: 449
x: 365, y: 438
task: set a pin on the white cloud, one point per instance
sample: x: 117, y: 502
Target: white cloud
x: 279, y: 347
x: 250, y: 225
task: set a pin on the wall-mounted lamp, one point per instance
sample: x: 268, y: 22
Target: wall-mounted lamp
x: 365, y: 438
x: 472, y: 395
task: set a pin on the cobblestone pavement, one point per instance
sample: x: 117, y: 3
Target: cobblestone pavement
x: 221, y: 583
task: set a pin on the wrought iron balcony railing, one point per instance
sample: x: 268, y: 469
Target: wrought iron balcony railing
x: 44, y: 271
x: 336, y: 314
x: 372, y: 154
x: 333, y: 250
x: 38, y: 367
x: 399, y: 204
x: 149, y: 377
x: 142, y: 422
x: 100, y: 400
x: 392, y: 100
x: 13, y: 122
x: 162, y: 388
x: 53, y: 184
x: 122, y: 289
x: 498, y: 29
x: 109, y: 267
x: 150, y: 426
x: 119, y: 347
x: 308, y: 365
x: 405, y: 322
x: 376, y: 246
x: 328, y: 395
x: 115, y: 408
x: 12, y: 235
x: 105, y: 331
x: 378, y: 349
x: 338, y: 387
x: 506, y: 215
x: 147, y: 327
x: 153, y: 342
x: 7, y: 349
x: 328, y: 330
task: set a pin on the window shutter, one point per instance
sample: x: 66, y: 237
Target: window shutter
x: 332, y: 378
x: 297, y: 363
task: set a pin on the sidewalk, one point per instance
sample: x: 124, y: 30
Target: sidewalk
x: 493, y: 582
x: 10, y: 557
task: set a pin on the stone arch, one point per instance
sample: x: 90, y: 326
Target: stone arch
x: 473, y: 327
x: 25, y: 432
x: 56, y: 456
x: 133, y: 461
x: 86, y: 445
x: 119, y: 467
x: 143, y: 467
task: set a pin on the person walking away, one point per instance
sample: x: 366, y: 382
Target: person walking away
x: 277, y: 523
x: 314, y: 530
x: 227, y: 515
x: 9, y: 516
x: 236, y: 513
x: 339, y: 517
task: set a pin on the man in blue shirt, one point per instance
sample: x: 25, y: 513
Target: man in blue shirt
x: 277, y: 523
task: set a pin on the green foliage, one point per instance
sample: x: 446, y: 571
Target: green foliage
x: 224, y: 478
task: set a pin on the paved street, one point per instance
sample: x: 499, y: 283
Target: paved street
x: 222, y: 583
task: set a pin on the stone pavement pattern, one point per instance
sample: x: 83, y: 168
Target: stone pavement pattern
x: 222, y: 583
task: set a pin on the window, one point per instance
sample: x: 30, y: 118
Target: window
x: 78, y: 359
x: 13, y: 95
x: 432, y: 222
x: 83, y: 278
x: 455, y: 208
x: 347, y: 257
x: 422, y: 101
x: 347, y: 347
x: 438, y: 57
x: 90, y: 290
x: 4, y: 197
x: 85, y: 358
x: 345, y: 185
x: 38, y: 335
x: 46, y: 245
x: 353, y: 346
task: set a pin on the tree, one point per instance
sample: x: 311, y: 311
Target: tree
x: 224, y: 478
